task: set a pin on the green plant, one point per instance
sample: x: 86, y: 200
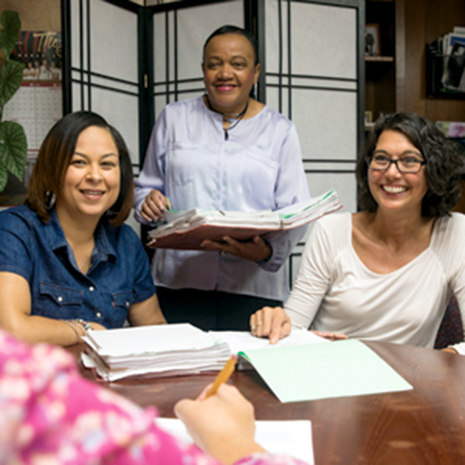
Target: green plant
x: 13, y: 142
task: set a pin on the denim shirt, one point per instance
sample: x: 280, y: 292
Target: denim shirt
x: 119, y: 275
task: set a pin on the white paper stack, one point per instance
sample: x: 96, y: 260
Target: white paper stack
x: 162, y: 350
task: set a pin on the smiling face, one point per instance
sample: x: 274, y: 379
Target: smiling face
x: 229, y: 72
x: 92, y: 181
x: 391, y: 189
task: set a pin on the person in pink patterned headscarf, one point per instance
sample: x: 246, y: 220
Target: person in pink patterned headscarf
x: 50, y: 415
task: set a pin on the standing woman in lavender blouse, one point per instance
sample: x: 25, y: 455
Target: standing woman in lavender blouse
x: 222, y: 151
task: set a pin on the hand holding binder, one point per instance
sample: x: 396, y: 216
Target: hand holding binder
x: 188, y: 229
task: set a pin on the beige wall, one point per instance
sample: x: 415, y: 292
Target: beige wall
x: 39, y: 15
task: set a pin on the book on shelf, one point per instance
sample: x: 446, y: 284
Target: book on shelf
x: 450, y: 50
x: 187, y: 229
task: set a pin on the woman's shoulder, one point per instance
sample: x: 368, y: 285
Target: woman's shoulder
x: 334, y: 226
x: 447, y: 241
x: 18, y: 218
x: 336, y: 221
x: 122, y: 236
x: 450, y: 225
x: 189, y: 105
x: 274, y: 116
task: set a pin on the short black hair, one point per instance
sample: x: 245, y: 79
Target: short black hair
x: 230, y: 29
x: 444, y: 158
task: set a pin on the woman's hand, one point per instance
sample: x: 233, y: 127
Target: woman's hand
x: 331, y: 336
x: 223, y: 425
x: 154, y: 206
x: 256, y: 250
x: 271, y: 322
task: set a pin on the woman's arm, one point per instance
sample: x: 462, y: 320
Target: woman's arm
x: 149, y: 188
x: 146, y: 313
x: 16, y: 318
x: 291, y: 187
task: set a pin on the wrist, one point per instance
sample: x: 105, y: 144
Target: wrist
x: 236, y: 451
x: 270, y: 251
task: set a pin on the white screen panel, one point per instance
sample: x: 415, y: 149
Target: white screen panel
x: 76, y: 97
x: 275, y: 31
x: 294, y: 263
x: 78, y: 53
x: 113, y: 41
x: 159, y: 47
x: 131, y: 221
x: 206, y: 19
x: 324, y: 40
x: 343, y: 183
x: 121, y: 111
x: 326, y: 122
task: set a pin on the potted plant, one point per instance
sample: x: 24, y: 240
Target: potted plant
x: 13, y: 143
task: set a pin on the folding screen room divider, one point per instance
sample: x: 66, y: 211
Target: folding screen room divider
x: 127, y: 62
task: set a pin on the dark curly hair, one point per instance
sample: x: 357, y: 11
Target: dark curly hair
x: 444, y: 162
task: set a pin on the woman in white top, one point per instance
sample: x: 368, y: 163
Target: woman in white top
x: 387, y: 272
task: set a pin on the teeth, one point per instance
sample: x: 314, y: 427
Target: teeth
x: 394, y: 189
x: 92, y: 192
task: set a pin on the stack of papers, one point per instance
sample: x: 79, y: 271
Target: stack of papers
x: 172, y: 350
x: 161, y: 350
x: 187, y: 230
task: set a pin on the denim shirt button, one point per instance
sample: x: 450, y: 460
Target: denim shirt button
x: 91, y: 288
x: 127, y: 304
x: 98, y: 315
x: 59, y: 298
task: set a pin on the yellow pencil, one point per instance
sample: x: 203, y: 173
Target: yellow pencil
x: 223, y: 375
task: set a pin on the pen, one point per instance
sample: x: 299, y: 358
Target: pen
x: 223, y: 375
x: 169, y: 205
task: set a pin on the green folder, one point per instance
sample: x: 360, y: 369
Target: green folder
x: 319, y: 371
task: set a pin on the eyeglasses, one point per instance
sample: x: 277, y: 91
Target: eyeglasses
x: 406, y: 164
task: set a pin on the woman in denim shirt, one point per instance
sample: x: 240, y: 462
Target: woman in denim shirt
x: 67, y: 262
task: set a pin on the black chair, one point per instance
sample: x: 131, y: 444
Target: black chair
x: 451, y: 329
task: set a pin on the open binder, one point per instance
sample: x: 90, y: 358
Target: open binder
x: 187, y: 229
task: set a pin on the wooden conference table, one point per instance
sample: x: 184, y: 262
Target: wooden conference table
x: 419, y: 427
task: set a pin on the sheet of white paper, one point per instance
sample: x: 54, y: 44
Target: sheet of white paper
x: 289, y: 437
x: 243, y: 340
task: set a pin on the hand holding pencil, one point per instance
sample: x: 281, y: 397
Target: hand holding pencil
x: 221, y: 421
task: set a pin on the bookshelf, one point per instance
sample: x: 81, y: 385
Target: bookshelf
x: 380, y: 67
